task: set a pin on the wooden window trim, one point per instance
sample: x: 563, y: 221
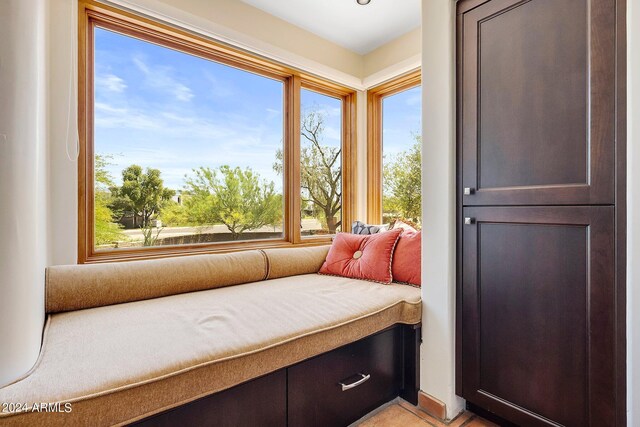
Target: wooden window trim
x: 92, y: 13
x: 375, y: 97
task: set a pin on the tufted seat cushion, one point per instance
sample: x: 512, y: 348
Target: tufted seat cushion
x: 123, y: 362
x: 365, y: 257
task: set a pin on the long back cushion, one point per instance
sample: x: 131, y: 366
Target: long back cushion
x: 76, y: 287
x: 293, y: 261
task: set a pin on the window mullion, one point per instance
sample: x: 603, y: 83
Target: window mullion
x: 292, y: 160
x: 349, y: 161
x: 374, y: 158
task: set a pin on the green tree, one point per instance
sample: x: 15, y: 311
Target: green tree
x: 142, y: 193
x: 175, y: 215
x: 320, y: 170
x: 402, y: 194
x: 106, y: 231
x: 234, y: 197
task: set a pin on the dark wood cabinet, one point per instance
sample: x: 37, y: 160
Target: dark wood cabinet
x: 538, y: 302
x: 540, y: 210
x: 538, y: 102
x: 260, y: 402
x: 333, y: 389
x: 338, y: 388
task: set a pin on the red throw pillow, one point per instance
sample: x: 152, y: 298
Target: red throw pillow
x: 365, y: 257
x: 407, y: 259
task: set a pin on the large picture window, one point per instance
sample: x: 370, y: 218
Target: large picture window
x: 190, y: 146
x: 394, y: 150
x: 320, y: 163
x: 184, y: 148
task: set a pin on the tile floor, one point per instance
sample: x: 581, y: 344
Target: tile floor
x: 402, y: 414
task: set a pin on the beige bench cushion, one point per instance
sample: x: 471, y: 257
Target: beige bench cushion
x: 123, y: 362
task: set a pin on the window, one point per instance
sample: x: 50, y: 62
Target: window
x: 320, y: 163
x: 184, y: 148
x: 190, y: 146
x: 394, y: 151
x: 401, y: 155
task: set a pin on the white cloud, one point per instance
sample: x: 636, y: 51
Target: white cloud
x: 110, y: 82
x: 175, y: 166
x: 166, y: 124
x: 175, y: 137
x: 160, y: 78
x: 186, y: 124
x: 107, y: 116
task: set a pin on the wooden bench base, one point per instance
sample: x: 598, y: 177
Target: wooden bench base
x: 371, y: 371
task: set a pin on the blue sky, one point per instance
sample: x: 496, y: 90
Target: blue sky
x: 160, y: 108
x: 401, y: 119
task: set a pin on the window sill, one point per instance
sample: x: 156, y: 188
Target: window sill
x: 200, y: 249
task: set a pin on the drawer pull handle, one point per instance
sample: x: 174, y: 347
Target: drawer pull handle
x: 364, y: 378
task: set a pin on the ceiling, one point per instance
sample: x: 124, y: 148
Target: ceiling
x: 346, y: 23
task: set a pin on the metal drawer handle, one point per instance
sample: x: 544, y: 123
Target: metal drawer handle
x: 364, y: 378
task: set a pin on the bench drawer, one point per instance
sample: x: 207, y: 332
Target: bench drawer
x: 339, y: 387
x: 260, y: 402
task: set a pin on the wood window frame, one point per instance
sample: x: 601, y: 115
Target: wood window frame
x: 92, y: 14
x: 375, y: 96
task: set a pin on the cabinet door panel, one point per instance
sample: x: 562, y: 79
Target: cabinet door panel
x: 538, y: 305
x: 538, y: 115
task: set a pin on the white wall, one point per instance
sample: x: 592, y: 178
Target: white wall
x: 633, y: 214
x: 63, y: 181
x: 23, y: 195
x: 438, y: 204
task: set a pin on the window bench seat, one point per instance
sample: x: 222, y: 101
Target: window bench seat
x: 125, y: 361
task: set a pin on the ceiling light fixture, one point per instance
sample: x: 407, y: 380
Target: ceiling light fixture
x: 363, y: 2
